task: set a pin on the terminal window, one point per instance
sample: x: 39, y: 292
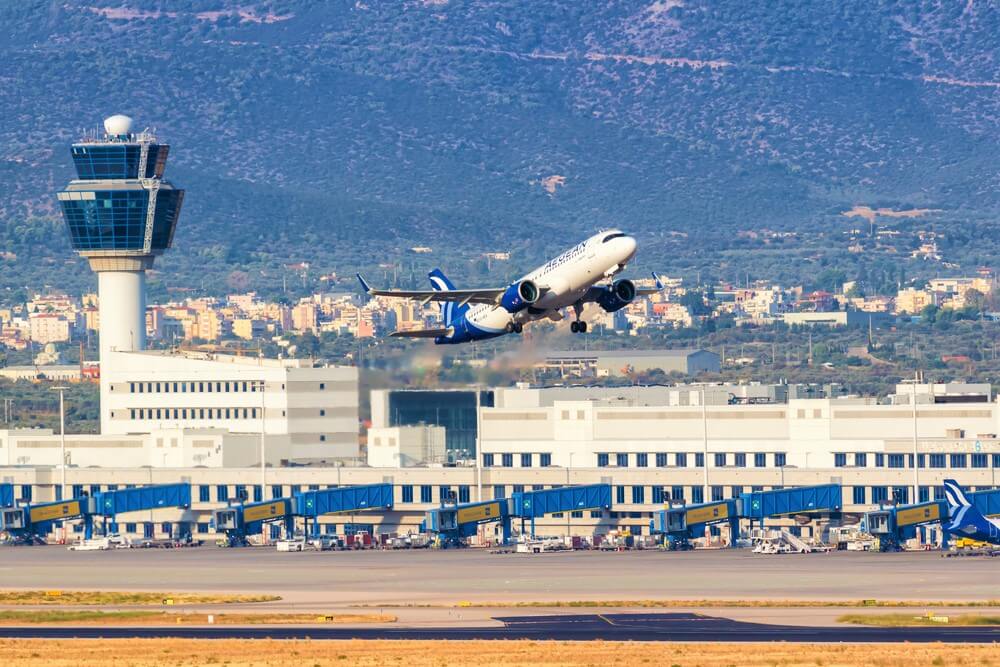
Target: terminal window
x: 519, y: 488
x: 621, y: 460
x: 720, y: 460
x: 525, y: 460
x: 741, y: 460
x: 487, y: 460
x: 657, y: 495
x: 677, y: 493
x: 642, y: 460
x: 859, y: 495
x: 620, y: 495
x: 937, y: 460
x: 638, y: 494
x: 425, y: 494
x: 499, y: 491
x: 545, y: 460
x: 779, y: 459
x: 839, y: 460
x: 760, y: 460
x: 736, y: 491
x: 861, y: 460
x: 507, y: 460
x: 717, y: 493
x: 681, y: 460
x: 896, y: 461
x: 697, y: 494
x: 203, y: 494
x: 958, y: 460
x: 602, y: 460
x: 407, y: 493
x: 661, y: 460
x: 463, y: 493
x: 276, y: 491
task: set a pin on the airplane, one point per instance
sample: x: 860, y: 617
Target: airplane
x: 965, y: 519
x: 583, y: 274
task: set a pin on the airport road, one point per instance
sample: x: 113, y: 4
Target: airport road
x: 446, y: 577
x: 581, y: 627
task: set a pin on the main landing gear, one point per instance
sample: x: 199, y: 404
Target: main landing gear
x: 578, y: 326
x: 514, y: 327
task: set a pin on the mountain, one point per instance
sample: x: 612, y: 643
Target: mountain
x: 341, y: 134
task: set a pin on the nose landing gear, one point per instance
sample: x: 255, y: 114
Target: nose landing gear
x: 514, y: 327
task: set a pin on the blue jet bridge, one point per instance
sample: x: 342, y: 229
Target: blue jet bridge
x: 895, y: 525
x: 38, y: 518
x: 453, y: 522
x: 681, y: 523
x: 240, y: 521
x: 6, y: 495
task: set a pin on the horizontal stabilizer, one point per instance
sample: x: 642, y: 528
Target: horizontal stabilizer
x: 423, y: 333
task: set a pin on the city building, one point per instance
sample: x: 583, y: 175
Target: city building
x: 455, y: 410
x: 604, y: 363
x: 316, y: 407
x: 406, y: 446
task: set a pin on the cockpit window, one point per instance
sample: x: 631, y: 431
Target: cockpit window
x: 616, y: 235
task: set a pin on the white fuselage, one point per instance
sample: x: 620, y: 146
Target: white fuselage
x: 563, y: 280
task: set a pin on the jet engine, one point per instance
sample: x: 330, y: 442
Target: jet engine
x: 617, y: 295
x: 519, y: 296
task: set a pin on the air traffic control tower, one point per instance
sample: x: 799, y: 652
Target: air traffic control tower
x: 120, y: 215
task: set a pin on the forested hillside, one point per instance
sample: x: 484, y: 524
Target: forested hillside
x: 342, y: 133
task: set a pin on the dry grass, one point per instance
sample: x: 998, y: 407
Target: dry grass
x: 900, y: 620
x: 357, y: 653
x: 711, y: 604
x: 55, y: 598
x: 160, y: 618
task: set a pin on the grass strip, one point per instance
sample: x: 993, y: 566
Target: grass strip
x: 136, y: 617
x: 60, y: 597
x: 710, y: 604
x: 908, y: 620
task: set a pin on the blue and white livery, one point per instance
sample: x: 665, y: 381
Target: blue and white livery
x: 965, y: 519
x: 583, y: 274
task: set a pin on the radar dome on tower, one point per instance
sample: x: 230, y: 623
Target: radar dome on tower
x: 118, y: 125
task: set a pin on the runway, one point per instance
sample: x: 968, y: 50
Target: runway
x: 572, y: 627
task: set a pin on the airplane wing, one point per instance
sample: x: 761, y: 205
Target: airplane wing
x: 646, y: 291
x: 423, y: 333
x: 596, y: 291
x: 486, y: 295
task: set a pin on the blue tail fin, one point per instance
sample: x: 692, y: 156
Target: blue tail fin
x: 440, y: 283
x: 955, y: 495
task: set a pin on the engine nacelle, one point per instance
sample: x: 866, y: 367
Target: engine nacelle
x: 519, y: 296
x: 618, y: 295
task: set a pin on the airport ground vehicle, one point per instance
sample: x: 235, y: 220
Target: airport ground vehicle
x: 292, y: 544
x: 100, y: 544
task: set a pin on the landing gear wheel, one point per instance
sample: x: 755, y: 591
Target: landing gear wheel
x: 582, y: 327
x: 518, y: 327
x: 574, y: 327
x: 509, y: 328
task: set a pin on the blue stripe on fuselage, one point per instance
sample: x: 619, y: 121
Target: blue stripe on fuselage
x: 465, y: 331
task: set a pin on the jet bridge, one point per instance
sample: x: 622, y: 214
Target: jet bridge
x: 38, y: 518
x: 310, y: 505
x: 241, y: 521
x: 894, y: 525
x: 456, y: 521
x: 681, y: 523
x: 6, y: 495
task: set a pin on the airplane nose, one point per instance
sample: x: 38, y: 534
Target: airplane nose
x: 628, y: 245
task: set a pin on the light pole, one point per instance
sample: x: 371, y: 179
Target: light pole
x: 62, y: 439
x: 704, y: 436
x: 568, y: 514
x: 479, y: 448
x: 263, y: 444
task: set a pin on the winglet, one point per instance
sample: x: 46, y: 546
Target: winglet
x: 364, y: 284
x: 656, y: 279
